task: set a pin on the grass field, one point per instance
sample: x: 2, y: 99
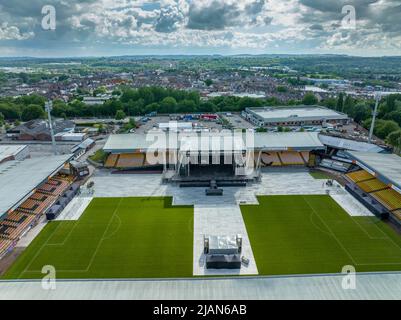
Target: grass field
x: 319, y: 175
x: 114, y: 238
x: 313, y: 234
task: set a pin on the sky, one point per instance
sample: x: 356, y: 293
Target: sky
x: 227, y: 27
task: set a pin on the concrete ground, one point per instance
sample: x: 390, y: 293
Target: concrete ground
x: 220, y: 220
x: 75, y: 208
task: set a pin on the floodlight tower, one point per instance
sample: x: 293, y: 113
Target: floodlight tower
x: 49, y: 107
x: 372, y: 127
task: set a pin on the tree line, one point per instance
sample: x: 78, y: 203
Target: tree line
x: 129, y: 102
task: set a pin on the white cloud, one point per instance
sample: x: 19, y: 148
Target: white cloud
x: 13, y: 33
x: 244, y: 24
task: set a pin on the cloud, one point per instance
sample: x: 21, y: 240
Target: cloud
x: 13, y: 33
x: 289, y: 25
x: 218, y: 15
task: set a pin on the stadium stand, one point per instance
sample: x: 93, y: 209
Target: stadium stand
x: 270, y: 159
x: 29, y: 212
x: 5, y: 244
x: 305, y: 156
x: 55, y: 186
x: 372, y: 185
x: 359, y: 176
x: 397, y: 213
x: 130, y: 160
x: 111, y: 161
x: 389, y: 198
x: 335, y: 165
x: 290, y: 158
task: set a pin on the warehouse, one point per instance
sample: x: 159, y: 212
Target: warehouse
x: 294, y: 116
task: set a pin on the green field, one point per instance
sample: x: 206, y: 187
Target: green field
x: 114, y: 238
x: 149, y: 238
x: 319, y: 175
x: 313, y: 234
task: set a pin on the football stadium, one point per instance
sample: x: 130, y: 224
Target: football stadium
x: 191, y: 206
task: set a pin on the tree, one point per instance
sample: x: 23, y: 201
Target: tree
x: 10, y: 111
x: 186, y: 106
x: 168, y: 105
x: 32, y: 112
x: 309, y: 99
x: 394, y: 139
x: 348, y: 105
x: 383, y: 128
x: 120, y: 115
x: 361, y: 112
x: 1, y: 119
x: 340, y: 102
x: 395, y: 116
x: 247, y: 102
x: 99, y: 91
x: 208, y: 82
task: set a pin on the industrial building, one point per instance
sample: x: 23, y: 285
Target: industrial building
x: 39, y: 129
x: 294, y: 116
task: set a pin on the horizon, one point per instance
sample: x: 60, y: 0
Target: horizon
x: 201, y: 55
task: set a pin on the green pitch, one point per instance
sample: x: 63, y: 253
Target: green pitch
x: 114, y: 238
x: 313, y: 234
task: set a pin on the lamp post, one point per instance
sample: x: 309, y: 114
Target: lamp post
x: 372, y: 127
x: 49, y: 107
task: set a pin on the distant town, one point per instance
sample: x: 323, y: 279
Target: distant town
x: 122, y: 92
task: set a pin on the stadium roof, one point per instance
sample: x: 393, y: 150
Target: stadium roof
x: 296, y: 113
x: 347, y: 144
x: 387, y: 167
x: 373, y: 286
x: 260, y: 141
x: 19, y: 178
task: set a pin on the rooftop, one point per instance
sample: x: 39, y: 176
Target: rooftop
x: 19, y: 178
x: 347, y: 144
x: 297, y: 112
x: 267, y: 141
x: 10, y: 150
x: 386, y: 166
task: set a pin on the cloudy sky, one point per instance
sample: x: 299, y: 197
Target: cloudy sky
x: 121, y: 27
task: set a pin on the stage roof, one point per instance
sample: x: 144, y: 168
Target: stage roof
x: 19, y: 178
x: 387, y: 167
x: 259, y: 141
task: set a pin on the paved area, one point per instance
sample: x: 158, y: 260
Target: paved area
x: 32, y: 233
x: 220, y: 220
x: 368, y: 286
x: 351, y: 205
x: 75, y: 208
